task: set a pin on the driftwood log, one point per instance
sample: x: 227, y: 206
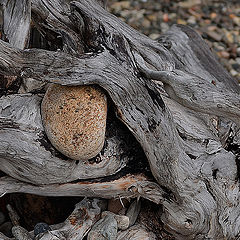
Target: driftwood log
x: 174, y: 97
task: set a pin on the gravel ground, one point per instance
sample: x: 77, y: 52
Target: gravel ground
x: 217, y: 21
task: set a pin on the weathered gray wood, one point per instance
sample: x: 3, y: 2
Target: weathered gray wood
x: 53, y: 16
x: 198, y: 86
x: 21, y: 233
x: 79, y: 223
x: 13, y: 215
x: 130, y: 186
x: 180, y: 134
x: 136, y: 232
x: 105, y: 70
x: 16, y: 22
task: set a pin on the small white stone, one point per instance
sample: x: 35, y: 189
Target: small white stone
x: 233, y: 72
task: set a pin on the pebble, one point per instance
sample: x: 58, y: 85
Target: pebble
x: 172, y: 16
x: 74, y: 119
x: 41, y: 228
x: 152, y: 17
x: 118, y: 6
x: 105, y: 228
x: 146, y: 23
x: 154, y: 36
x: 224, y: 54
x: 228, y: 37
x: 181, y: 21
x: 191, y: 20
x: 165, y: 17
x: 238, y: 77
x: 214, y: 35
x: 218, y: 47
x: 238, y: 51
x: 164, y: 27
x: 236, y: 20
x: 233, y: 72
x: 189, y: 3
x: 236, y: 67
x: 238, y: 60
x: 213, y: 15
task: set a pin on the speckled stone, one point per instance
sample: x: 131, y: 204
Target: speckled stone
x: 74, y: 119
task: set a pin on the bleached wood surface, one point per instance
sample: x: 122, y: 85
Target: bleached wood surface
x: 190, y: 135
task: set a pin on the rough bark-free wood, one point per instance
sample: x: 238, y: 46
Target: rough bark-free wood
x: 178, y: 102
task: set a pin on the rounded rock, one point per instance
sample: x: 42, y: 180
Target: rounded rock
x: 41, y: 228
x: 74, y: 119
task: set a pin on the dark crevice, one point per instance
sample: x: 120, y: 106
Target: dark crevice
x: 214, y: 173
x: 49, y: 40
x: 3, y: 86
x: 226, y: 220
x: 191, y: 156
x: 44, y: 142
x: 155, y: 96
x: 165, y: 42
x: 9, y: 85
x: 168, y: 194
x: 14, y: 86
x: 189, y: 221
x: 150, y: 216
x: 182, y: 136
x: 95, y: 160
x: 138, y: 109
x: 206, y: 142
x: 152, y: 124
x: 96, y: 39
x: 33, y: 209
x: 235, y: 149
x: 238, y: 166
x: 9, y: 124
x: 2, y: 174
x: 209, y: 189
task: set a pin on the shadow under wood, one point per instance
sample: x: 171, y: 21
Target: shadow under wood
x: 150, y: 217
x: 233, y: 146
x: 33, y: 209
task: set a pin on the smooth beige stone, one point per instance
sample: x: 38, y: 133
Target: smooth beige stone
x: 74, y: 119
